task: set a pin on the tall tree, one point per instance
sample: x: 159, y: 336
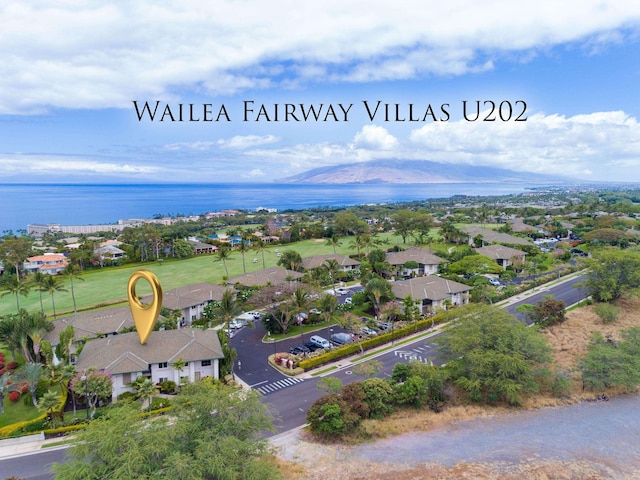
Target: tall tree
x: 333, y: 241
x: 14, y: 251
x: 291, y: 260
x: 72, y: 272
x: 492, y: 356
x: 5, y: 383
x: 93, y: 386
x: 48, y: 402
x: 213, y: 432
x: 222, y: 255
x: 611, y: 273
x: 332, y: 267
x: 52, y: 285
x: 30, y: 374
x: 261, y: 247
x: 328, y: 305
x: 17, y: 288
x: 300, y: 302
x: 243, y: 248
x: 38, y: 281
x: 378, y: 290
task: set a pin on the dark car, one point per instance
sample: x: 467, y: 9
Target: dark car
x: 311, y: 346
x: 299, y: 350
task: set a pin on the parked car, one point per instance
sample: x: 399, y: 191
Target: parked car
x: 255, y: 315
x: 311, y: 346
x: 495, y: 282
x: 315, y: 311
x: 384, y: 325
x: 342, y: 291
x: 234, y: 324
x: 320, y: 341
x: 368, y: 331
x: 348, y: 300
x: 299, y: 350
x: 342, y: 338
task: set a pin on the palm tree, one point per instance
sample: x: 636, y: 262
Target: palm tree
x: 48, y: 402
x: 4, y: 388
x: 328, y: 304
x: 333, y: 241
x: 226, y: 310
x: 260, y: 246
x: 38, y: 280
x: 52, y: 285
x: 378, y: 290
x: 290, y: 259
x: 243, y: 247
x: 222, y: 255
x: 358, y: 243
x: 300, y: 302
x: 31, y: 374
x: 10, y: 333
x: 333, y: 269
x: 179, y: 365
x: 17, y: 288
x: 72, y: 271
x: 146, y: 390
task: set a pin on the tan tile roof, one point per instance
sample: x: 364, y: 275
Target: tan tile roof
x: 189, y: 296
x: 431, y: 287
x: 420, y: 255
x: 491, y: 236
x: 272, y: 276
x: 124, y: 353
x: 319, y: 260
x: 500, y: 252
x: 90, y: 324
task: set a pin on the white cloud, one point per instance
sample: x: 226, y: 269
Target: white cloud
x: 256, y: 172
x: 241, y: 142
x: 58, y: 166
x: 85, y: 54
x: 578, y: 146
x: 374, y: 137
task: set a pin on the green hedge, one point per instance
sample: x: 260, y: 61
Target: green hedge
x: 350, y: 349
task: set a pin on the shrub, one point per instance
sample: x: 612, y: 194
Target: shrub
x: 608, y: 313
x: 11, y: 366
x: 167, y: 386
x: 126, y: 397
x: 330, y: 416
x: 14, y: 396
x: 356, y: 397
x: 378, y: 395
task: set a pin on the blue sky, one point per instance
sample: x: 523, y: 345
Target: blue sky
x: 72, y: 68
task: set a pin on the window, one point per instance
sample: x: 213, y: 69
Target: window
x: 163, y: 365
x: 206, y: 363
x: 162, y: 379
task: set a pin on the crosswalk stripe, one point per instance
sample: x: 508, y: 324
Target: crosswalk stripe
x: 278, y: 385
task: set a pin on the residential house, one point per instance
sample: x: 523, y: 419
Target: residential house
x: 505, y: 256
x: 90, y: 325
x: 269, y: 276
x: 109, y: 253
x: 428, y: 263
x: 201, y: 247
x: 125, y: 358
x: 432, y: 292
x: 491, y: 236
x: 190, y: 299
x: 317, y: 261
x: 50, y: 263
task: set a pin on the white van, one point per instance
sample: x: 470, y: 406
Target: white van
x: 320, y: 341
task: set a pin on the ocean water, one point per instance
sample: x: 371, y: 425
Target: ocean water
x: 65, y: 204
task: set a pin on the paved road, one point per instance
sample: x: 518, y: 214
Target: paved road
x: 34, y: 466
x: 290, y: 398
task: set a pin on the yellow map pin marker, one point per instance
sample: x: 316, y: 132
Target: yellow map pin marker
x: 144, y: 316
